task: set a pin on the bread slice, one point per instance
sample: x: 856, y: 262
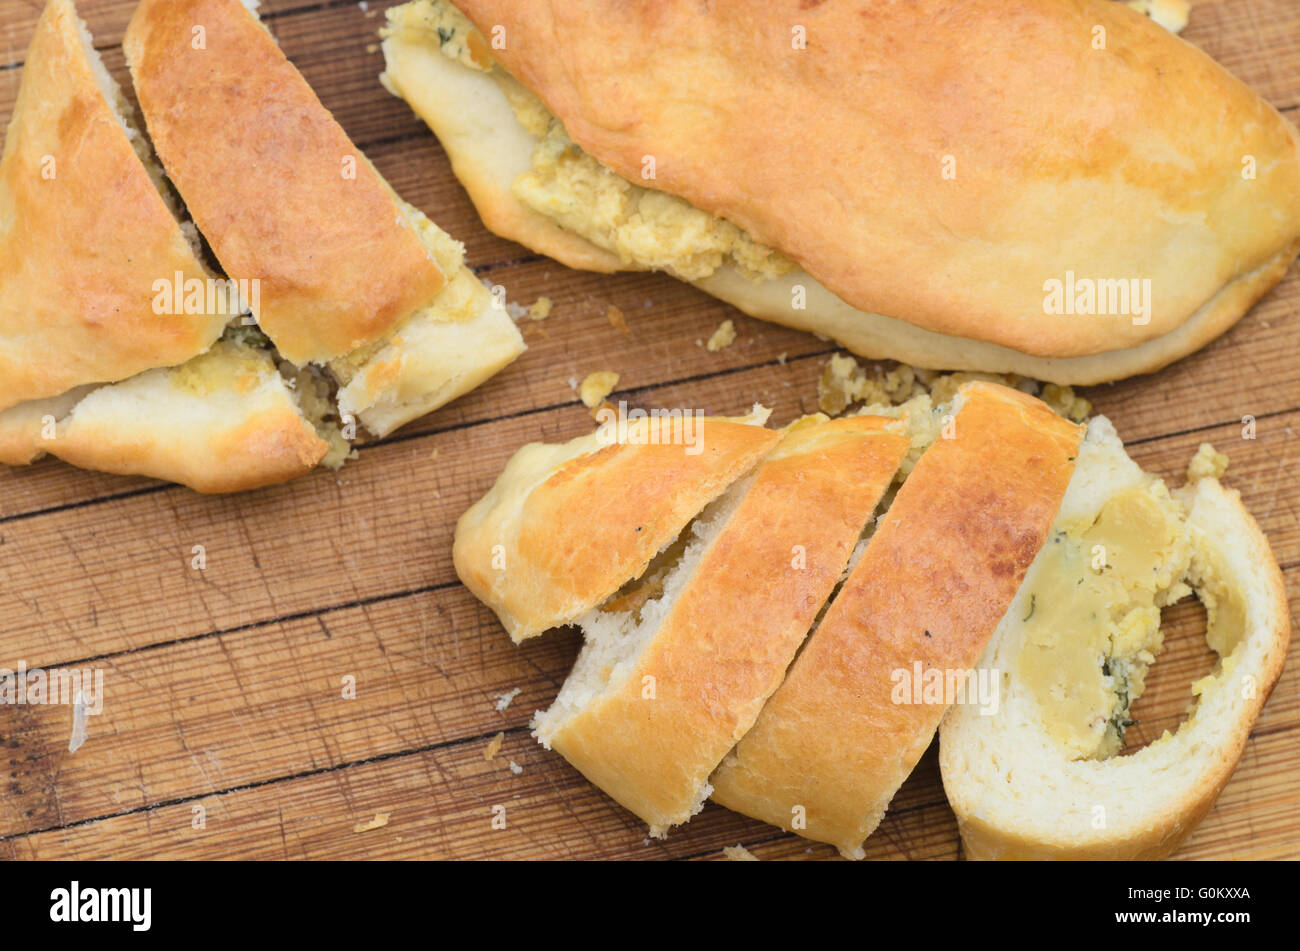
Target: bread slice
x: 833, y: 744
x: 1041, y: 777
x: 578, y: 188
x: 84, y: 231
x: 663, y: 688
x: 565, y: 526
x: 351, y: 277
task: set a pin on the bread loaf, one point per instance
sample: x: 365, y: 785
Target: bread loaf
x: 953, y: 185
x: 565, y: 527
x: 1009, y: 589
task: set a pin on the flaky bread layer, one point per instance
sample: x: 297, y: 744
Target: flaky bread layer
x: 225, y: 421
x: 85, y: 232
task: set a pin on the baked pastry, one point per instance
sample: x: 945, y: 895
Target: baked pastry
x: 1011, y: 190
x: 1041, y: 779
x: 675, y: 672
x: 122, y: 350
x: 833, y: 744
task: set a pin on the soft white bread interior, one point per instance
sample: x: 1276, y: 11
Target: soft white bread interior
x: 532, y: 183
x: 565, y: 526
x: 456, y: 342
x: 836, y: 740
x: 1043, y: 776
x: 675, y: 671
x: 225, y: 421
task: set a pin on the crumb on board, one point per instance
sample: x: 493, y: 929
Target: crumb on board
x: 78, y: 739
x: 738, y: 853
x: 593, y: 390
x: 541, y: 309
x: 494, y: 747
x: 781, y: 358
x: 515, y: 768
x: 1208, y: 463
x: 505, y: 699
x: 722, y: 338
x: 616, y: 319
x: 1171, y: 14
x: 378, y: 822
x: 845, y: 382
x: 1065, y: 402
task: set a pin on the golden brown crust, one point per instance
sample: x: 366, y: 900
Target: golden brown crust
x: 732, y: 631
x: 936, y: 578
x: 547, y: 544
x: 1105, y: 172
x: 274, y: 183
x: 84, y: 234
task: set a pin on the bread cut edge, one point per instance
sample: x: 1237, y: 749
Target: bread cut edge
x: 994, y: 824
x: 225, y: 421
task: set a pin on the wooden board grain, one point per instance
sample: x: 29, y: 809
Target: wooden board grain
x: 227, y: 731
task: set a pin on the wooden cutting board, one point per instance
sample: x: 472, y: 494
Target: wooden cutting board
x: 226, y: 731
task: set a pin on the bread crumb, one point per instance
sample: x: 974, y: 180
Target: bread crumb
x: 494, y: 747
x: 433, y: 454
x: 845, y: 382
x: 1208, y: 463
x: 596, y: 387
x: 1171, y: 14
x: 505, y: 699
x: 616, y: 319
x: 78, y: 723
x: 378, y: 822
x: 515, y: 768
x: 738, y: 853
x: 722, y: 338
x: 541, y: 309
x: 781, y: 358
x: 1063, y: 400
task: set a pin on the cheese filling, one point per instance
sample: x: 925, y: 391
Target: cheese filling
x: 646, y: 228
x: 1092, y: 625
